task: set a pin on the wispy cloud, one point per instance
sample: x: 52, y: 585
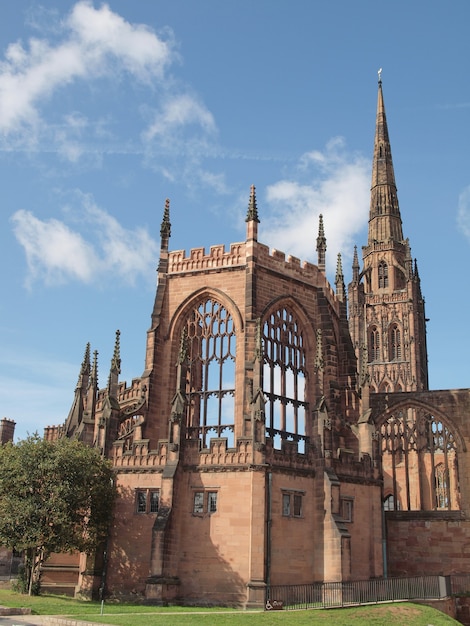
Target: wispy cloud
x: 176, y: 113
x: 454, y: 105
x: 57, y: 252
x: 463, y: 212
x: 332, y: 182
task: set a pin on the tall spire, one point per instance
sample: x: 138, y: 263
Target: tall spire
x: 384, y: 218
x: 321, y: 245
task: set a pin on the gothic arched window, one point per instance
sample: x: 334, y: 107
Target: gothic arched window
x: 383, y: 274
x: 210, y: 379
x: 394, y: 343
x: 420, y: 461
x: 389, y: 503
x: 442, y: 486
x: 374, y: 344
x: 284, y: 378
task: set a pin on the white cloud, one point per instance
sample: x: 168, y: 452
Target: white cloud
x: 333, y: 183
x: 56, y: 254
x: 125, y: 252
x: 463, y: 213
x: 96, y: 43
x: 53, y: 251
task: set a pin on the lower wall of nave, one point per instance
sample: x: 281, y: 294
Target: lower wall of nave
x: 427, y: 542
x: 219, y: 532
x: 213, y: 547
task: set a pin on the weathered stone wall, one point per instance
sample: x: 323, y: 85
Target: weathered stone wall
x: 427, y: 542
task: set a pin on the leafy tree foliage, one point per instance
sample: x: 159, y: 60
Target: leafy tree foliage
x: 54, y: 497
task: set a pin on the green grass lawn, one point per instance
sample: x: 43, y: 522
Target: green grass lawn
x: 399, y: 614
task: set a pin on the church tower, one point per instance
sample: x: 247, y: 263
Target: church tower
x: 386, y: 308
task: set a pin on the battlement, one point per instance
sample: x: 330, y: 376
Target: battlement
x: 7, y: 430
x: 292, y: 266
x: 379, y: 246
x: 134, y: 394
x: 52, y: 433
x: 198, y: 259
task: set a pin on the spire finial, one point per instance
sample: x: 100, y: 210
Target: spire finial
x: 380, y: 76
x: 339, y: 268
x: 252, y: 214
x: 165, y: 229
x: 321, y: 245
x: 116, y: 360
x: 94, y: 369
x: 339, y: 279
x: 86, y: 359
x: 355, y: 266
x: 85, y: 366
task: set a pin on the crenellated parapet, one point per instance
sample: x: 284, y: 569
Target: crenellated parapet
x: 199, y: 260
x: 52, y: 433
x: 219, y: 454
x: 139, y: 455
x: 350, y: 469
x: 130, y: 398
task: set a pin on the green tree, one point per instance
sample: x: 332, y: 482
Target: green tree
x: 55, y: 496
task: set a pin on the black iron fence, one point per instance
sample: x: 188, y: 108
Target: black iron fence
x: 329, y: 595
x: 460, y: 584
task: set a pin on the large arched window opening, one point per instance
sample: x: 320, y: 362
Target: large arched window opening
x: 420, y: 465
x: 210, y: 378
x: 284, y: 378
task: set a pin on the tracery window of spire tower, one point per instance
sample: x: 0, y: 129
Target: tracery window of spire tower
x: 284, y: 379
x: 210, y: 377
x: 374, y: 344
x: 394, y: 343
x: 383, y: 274
x: 419, y: 461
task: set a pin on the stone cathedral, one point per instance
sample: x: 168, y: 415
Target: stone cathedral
x: 282, y: 430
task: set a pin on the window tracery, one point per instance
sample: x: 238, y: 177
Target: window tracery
x: 210, y: 379
x: 127, y: 429
x: 374, y: 344
x: 383, y: 274
x: 419, y: 461
x: 284, y: 378
x: 395, y: 349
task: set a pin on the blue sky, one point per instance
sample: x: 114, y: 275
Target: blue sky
x: 108, y: 109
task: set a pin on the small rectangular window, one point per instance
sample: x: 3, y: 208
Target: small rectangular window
x: 154, y: 500
x: 297, y: 506
x: 141, y: 502
x: 147, y: 500
x: 198, y: 502
x: 292, y: 504
x: 212, y: 501
x: 347, y: 509
x: 286, y: 504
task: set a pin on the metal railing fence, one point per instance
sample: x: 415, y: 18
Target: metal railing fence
x: 342, y: 594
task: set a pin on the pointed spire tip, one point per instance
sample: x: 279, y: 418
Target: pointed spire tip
x: 252, y: 214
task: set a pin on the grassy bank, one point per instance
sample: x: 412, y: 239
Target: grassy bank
x: 136, y: 615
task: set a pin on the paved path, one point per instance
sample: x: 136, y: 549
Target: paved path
x: 41, y: 620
